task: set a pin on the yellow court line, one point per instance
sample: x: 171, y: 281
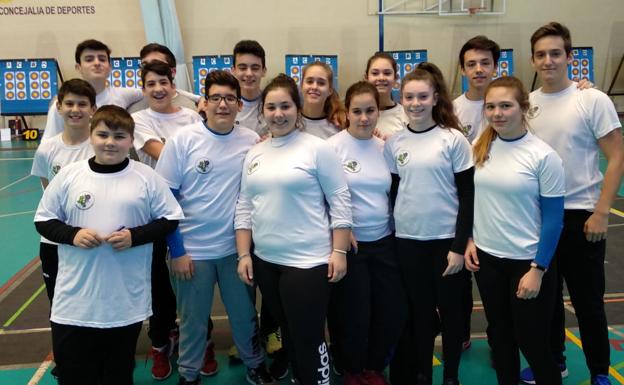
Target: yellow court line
x: 617, y: 212
x: 614, y: 373
x: 23, y: 307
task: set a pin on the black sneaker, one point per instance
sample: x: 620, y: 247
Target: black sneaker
x: 279, y: 366
x: 54, y: 372
x: 184, y: 381
x: 260, y: 376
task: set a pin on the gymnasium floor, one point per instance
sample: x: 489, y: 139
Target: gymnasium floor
x: 24, y: 328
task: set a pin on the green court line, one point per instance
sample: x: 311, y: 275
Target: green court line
x: 23, y: 307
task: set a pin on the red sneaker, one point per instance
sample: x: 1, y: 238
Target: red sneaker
x: 372, y: 377
x: 161, y: 367
x: 211, y: 366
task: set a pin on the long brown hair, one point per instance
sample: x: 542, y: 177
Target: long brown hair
x: 443, y: 113
x: 333, y: 108
x: 481, y: 148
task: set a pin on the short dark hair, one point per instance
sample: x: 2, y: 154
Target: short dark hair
x: 91, y: 44
x: 552, y: 29
x: 156, y: 67
x: 249, y: 47
x: 115, y: 118
x: 77, y: 87
x: 155, y: 47
x: 222, y: 78
x: 480, y: 43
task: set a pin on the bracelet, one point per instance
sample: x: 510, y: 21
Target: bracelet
x: 340, y: 251
x: 243, y: 256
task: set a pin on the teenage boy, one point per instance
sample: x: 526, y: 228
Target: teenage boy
x: 249, y: 67
x: 158, y: 52
x: 153, y: 127
x: 578, y: 125
x: 202, y: 165
x: 104, y: 212
x: 93, y: 64
x: 75, y: 104
x: 478, y: 59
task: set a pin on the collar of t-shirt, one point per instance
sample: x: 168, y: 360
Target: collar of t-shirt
x: 283, y: 140
x: 107, y: 168
x: 218, y: 133
x: 423, y: 131
x: 309, y: 118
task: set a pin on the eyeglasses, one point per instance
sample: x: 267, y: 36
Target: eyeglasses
x: 216, y: 99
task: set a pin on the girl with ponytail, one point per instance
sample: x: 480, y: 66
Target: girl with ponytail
x: 432, y: 171
x: 519, y: 187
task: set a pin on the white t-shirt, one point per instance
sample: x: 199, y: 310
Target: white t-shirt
x: 392, y: 120
x: 321, y: 128
x: 250, y: 116
x: 122, y: 97
x: 427, y: 204
x: 152, y: 125
x: 101, y: 287
x: 571, y: 122
x: 470, y: 115
x: 53, y: 154
x: 507, y: 215
x: 286, y: 182
x: 369, y: 180
x: 206, y: 168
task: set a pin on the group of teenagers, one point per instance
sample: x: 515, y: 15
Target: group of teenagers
x: 367, y: 217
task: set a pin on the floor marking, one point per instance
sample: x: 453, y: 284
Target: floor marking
x: 616, y: 225
x: 614, y: 373
x: 41, y: 370
x: 19, y: 277
x: 24, y: 306
x: 14, y: 183
x: 4, y: 332
x: 26, y: 212
x: 617, y: 212
x: 1, y: 159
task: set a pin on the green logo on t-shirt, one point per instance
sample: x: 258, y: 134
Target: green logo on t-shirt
x: 253, y: 167
x: 85, y: 200
x: 352, y: 166
x: 55, y: 169
x: 403, y: 158
x: 203, y: 166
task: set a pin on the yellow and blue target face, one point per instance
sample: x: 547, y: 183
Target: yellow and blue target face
x: 204, y: 64
x: 582, y: 66
x: 125, y: 72
x: 295, y: 63
x: 27, y: 86
x: 406, y: 61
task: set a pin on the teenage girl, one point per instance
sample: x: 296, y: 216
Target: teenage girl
x: 432, y: 168
x: 295, y: 201
x: 369, y: 303
x: 382, y: 72
x: 323, y: 112
x: 519, y: 188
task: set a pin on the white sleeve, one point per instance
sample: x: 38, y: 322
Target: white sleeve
x: 603, y: 117
x: 130, y: 96
x: 389, y: 157
x: 334, y: 185
x: 169, y: 165
x: 190, y: 95
x: 244, y: 207
x: 51, y: 204
x: 162, y: 203
x: 54, y: 123
x: 40, y: 164
x: 551, y: 176
x: 461, y: 152
x: 143, y: 131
